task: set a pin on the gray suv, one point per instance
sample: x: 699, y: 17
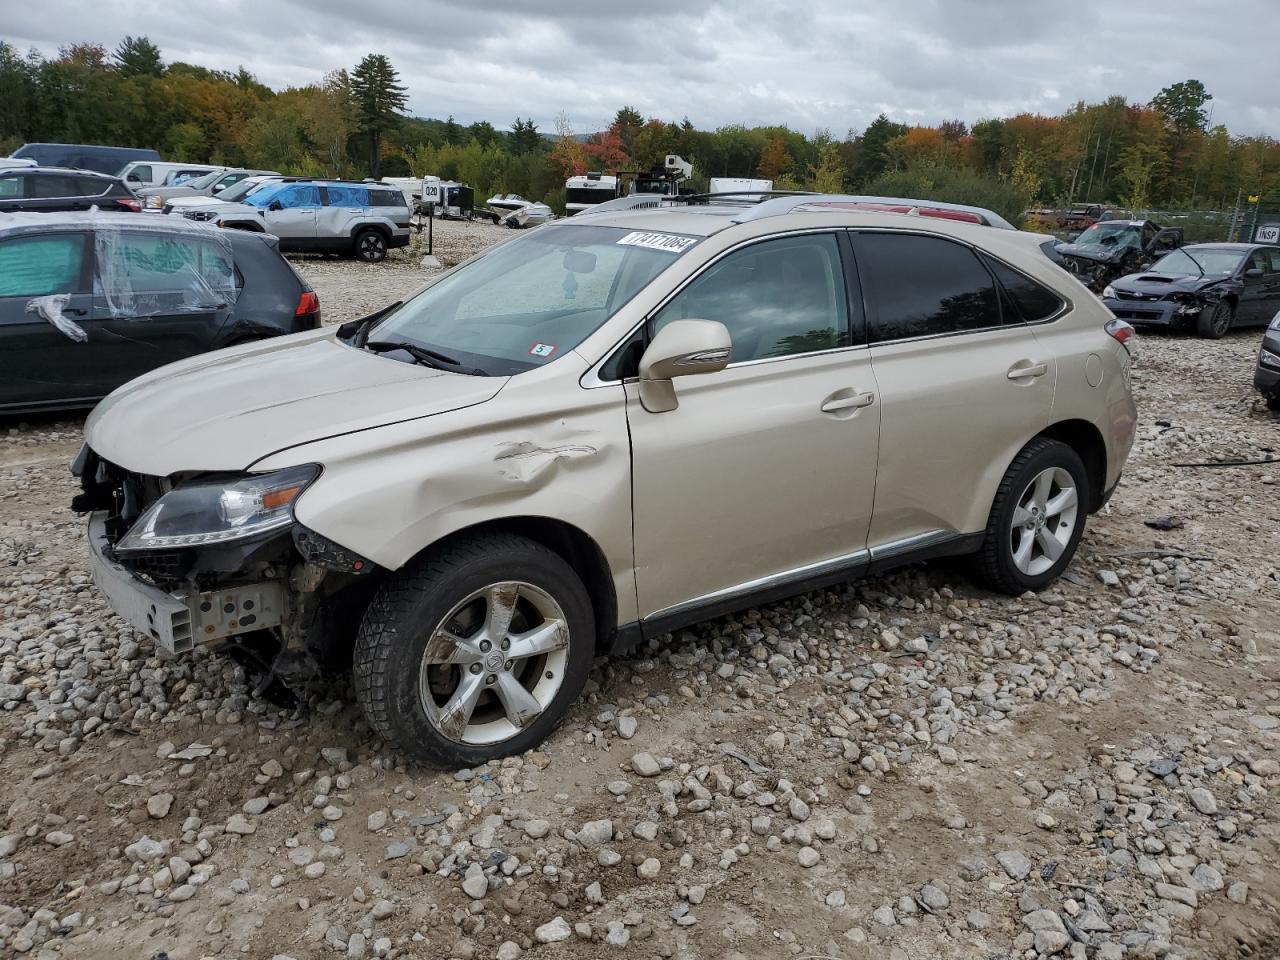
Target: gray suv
x: 320, y: 216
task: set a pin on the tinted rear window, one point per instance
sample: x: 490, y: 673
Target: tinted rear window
x: 924, y: 286
x: 1032, y: 300
x: 387, y: 198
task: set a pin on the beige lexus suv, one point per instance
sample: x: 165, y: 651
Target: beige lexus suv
x: 599, y: 431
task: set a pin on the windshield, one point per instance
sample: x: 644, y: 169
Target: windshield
x: 533, y: 299
x: 1113, y: 235
x: 1190, y: 263
x: 243, y: 189
x: 204, y: 181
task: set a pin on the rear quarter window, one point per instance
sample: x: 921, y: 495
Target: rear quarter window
x: 1032, y: 300
x: 387, y: 198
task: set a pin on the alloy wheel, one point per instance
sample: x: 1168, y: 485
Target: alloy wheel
x: 372, y: 247
x: 494, y: 663
x: 1043, y: 521
x: 1221, y: 318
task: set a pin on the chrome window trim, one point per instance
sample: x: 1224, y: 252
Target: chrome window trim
x: 1066, y: 307
x: 591, y: 379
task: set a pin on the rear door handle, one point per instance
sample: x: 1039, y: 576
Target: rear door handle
x: 1027, y: 370
x: 846, y: 401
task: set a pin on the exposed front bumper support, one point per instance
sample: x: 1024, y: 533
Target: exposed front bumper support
x: 179, y: 620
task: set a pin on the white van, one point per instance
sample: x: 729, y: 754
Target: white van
x: 739, y: 185
x: 157, y: 173
x: 584, y: 192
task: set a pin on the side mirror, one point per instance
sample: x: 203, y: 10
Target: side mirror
x: 134, y: 178
x: 219, y: 187
x: 681, y: 348
x: 1253, y: 272
x: 275, y: 205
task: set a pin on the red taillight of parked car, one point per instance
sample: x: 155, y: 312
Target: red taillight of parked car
x: 129, y: 204
x: 308, y: 306
x: 1123, y: 332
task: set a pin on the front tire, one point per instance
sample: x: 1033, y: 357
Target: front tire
x: 474, y: 652
x: 1213, y: 322
x: 370, y: 246
x: 1037, y: 518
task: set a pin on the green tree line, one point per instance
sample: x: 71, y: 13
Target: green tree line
x: 353, y: 123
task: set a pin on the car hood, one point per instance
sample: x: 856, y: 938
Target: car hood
x: 228, y: 409
x: 1159, y: 284
x: 1092, y: 251
x: 229, y: 208
x: 168, y: 192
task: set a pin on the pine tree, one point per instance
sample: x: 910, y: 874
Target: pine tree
x: 138, y: 56
x: 378, y: 97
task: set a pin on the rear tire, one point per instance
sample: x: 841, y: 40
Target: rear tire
x: 430, y: 667
x: 1213, y: 322
x: 1273, y: 402
x: 370, y: 246
x: 1037, y: 518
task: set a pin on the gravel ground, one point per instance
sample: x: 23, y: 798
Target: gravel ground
x: 909, y: 767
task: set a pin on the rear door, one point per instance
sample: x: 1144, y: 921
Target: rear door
x: 40, y: 361
x: 159, y: 296
x: 343, y: 204
x: 964, y: 383
x: 291, y: 214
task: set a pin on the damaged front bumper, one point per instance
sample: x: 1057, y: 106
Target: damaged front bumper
x: 178, y: 619
x: 1152, y: 313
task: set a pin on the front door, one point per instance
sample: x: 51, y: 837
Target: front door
x: 964, y: 383
x: 765, y: 471
x: 1261, y: 290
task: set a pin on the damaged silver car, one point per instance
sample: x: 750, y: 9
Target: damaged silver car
x: 600, y: 431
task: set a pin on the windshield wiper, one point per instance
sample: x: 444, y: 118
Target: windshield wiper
x: 424, y: 356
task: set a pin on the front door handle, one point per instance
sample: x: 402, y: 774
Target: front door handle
x: 845, y: 400
x: 1027, y: 370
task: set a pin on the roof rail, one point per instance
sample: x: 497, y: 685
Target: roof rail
x: 803, y: 203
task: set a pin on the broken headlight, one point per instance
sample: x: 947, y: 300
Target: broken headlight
x: 198, y: 514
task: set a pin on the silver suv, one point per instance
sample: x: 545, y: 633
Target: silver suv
x: 600, y: 431
x: 364, y: 220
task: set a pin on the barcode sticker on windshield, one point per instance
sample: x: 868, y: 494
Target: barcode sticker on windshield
x: 658, y: 241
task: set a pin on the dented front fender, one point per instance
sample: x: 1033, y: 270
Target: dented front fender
x: 544, y: 446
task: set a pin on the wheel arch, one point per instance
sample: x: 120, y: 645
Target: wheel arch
x: 364, y: 225
x: 573, y: 545
x: 1086, y: 440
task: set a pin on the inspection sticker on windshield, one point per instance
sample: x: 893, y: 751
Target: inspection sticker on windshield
x: 542, y: 350
x: 658, y: 241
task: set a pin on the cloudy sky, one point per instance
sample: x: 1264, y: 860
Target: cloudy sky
x: 818, y: 63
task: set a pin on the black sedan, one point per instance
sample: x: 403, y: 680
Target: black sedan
x: 1208, y: 287
x: 87, y: 305
x: 47, y: 189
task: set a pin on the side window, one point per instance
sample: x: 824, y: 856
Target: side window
x: 1258, y: 260
x: 142, y: 173
x: 300, y: 195
x: 146, y: 273
x: 388, y: 198
x: 777, y: 297
x: 53, y: 186
x: 39, y: 266
x: 344, y: 196
x: 924, y: 286
x: 1274, y: 255
x: 91, y: 186
x: 1032, y: 301
x: 11, y: 188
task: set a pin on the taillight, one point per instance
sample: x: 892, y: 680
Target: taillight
x: 308, y: 302
x: 129, y: 204
x: 1123, y: 332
